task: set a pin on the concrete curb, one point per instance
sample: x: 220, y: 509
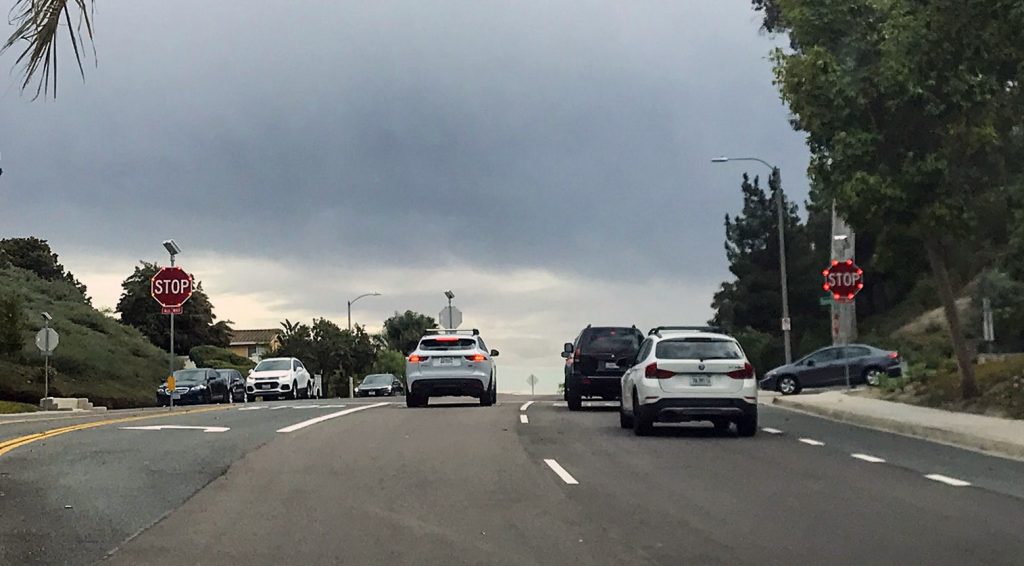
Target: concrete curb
x: 955, y: 438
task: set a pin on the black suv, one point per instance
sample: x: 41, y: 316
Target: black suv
x: 595, y: 362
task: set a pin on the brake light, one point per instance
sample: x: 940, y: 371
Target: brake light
x: 894, y: 355
x: 446, y: 338
x: 415, y: 359
x: 576, y: 355
x: 653, y: 372
x: 477, y: 358
x: 746, y: 373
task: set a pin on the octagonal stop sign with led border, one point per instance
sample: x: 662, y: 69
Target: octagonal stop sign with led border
x: 843, y: 279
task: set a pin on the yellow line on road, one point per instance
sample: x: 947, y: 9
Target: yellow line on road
x: 8, y: 445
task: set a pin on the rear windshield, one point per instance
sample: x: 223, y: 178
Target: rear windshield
x: 618, y: 341
x: 442, y: 344
x: 698, y: 349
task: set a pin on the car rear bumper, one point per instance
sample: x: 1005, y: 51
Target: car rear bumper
x: 448, y: 387
x: 698, y: 409
x: 605, y: 387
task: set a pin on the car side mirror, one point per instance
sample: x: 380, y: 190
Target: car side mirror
x: 494, y: 353
x: 810, y: 363
x: 567, y: 348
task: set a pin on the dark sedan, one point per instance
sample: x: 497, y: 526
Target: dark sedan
x: 193, y: 386
x: 236, y: 383
x: 380, y: 384
x: 828, y: 367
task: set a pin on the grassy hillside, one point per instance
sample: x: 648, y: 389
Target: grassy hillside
x: 98, y: 357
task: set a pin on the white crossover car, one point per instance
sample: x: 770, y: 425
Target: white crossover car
x: 686, y: 373
x: 451, y: 363
x: 276, y: 377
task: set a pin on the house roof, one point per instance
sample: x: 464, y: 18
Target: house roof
x: 246, y: 337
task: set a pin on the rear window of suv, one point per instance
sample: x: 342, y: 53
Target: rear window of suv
x: 698, y: 349
x: 618, y: 341
x: 442, y: 344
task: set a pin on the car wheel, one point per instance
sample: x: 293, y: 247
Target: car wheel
x: 625, y: 421
x: 721, y: 425
x: 309, y: 390
x: 747, y: 426
x: 487, y: 399
x: 295, y: 391
x: 789, y: 385
x: 642, y: 426
x: 872, y: 377
x: 229, y: 397
x: 245, y: 396
x: 574, y: 400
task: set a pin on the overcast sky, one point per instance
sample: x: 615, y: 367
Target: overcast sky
x: 548, y: 161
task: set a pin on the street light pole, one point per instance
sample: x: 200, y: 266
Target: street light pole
x: 780, y: 205
x: 350, y: 303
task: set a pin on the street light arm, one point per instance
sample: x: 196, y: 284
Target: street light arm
x: 363, y: 295
x: 757, y: 159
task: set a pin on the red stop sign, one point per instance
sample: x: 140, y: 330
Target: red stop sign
x: 843, y: 279
x: 171, y: 287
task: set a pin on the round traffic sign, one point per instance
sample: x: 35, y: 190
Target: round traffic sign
x: 171, y: 287
x: 843, y: 279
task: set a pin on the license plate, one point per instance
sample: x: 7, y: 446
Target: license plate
x: 611, y: 365
x: 445, y: 361
x: 700, y: 380
x: 266, y: 386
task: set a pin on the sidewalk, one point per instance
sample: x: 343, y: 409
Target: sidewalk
x: 1001, y: 437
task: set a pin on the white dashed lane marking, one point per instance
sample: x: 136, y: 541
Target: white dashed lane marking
x: 558, y: 469
x: 524, y: 419
x: 812, y: 442
x: 526, y: 405
x: 868, y: 458
x: 948, y: 480
x: 771, y: 430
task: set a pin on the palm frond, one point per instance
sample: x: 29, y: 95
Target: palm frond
x: 37, y: 24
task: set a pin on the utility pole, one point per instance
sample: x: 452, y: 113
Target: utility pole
x: 844, y: 313
x: 787, y: 324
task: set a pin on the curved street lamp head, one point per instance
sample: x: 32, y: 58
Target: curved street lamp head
x: 720, y: 160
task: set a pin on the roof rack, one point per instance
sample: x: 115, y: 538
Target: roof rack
x: 713, y: 329
x: 473, y: 332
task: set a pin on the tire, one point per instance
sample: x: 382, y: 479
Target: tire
x: 487, y: 399
x: 295, y: 391
x: 642, y: 426
x: 229, y: 397
x: 789, y: 385
x: 245, y: 396
x: 625, y: 421
x: 872, y: 377
x: 209, y: 396
x: 574, y: 400
x: 747, y: 427
x: 721, y: 425
x: 416, y: 401
x: 309, y: 390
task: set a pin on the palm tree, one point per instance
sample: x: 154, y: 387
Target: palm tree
x: 37, y: 23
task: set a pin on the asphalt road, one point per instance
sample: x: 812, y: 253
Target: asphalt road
x: 355, y: 482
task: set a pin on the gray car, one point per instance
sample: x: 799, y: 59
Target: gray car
x: 827, y: 367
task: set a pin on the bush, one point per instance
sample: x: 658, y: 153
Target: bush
x: 220, y: 358
x: 11, y: 325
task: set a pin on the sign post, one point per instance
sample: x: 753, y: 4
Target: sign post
x: 532, y: 380
x: 171, y: 287
x: 47, y: 340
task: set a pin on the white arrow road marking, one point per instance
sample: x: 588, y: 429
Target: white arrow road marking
x: 560, y: 404
x: 526, y: 405
x: 812, y: 442
x: 278, y: 408
x: 178, y: 427
x: 329, y: 416
x: 558, y: 469
x: 868, y: 458
x: 948, y: 480
x: 771, y: 430
x: 524, y: 419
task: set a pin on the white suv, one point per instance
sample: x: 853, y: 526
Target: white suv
x: 274, y: 377
x: 451, y: 363
x: 689, y: 373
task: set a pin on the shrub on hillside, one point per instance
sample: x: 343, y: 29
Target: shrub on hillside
x: 220, y: 358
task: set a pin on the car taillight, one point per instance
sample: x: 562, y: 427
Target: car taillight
x: 653, y: 372
x: 746, y: 373
x: 446, y: 339
x: 477, y: 358
x: 576, y: 355
x: 415, y: 359
x: 894, y: 355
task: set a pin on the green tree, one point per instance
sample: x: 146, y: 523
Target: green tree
x: 911, y: 111
x: 37, y: 26
x: 12, y: 323
x: 403, y: 331
x: 195, y: 326
x: 36, y: 256
x: 390, y: 361
x: 750, y: 305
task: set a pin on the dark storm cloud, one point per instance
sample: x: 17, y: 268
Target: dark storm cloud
x: 568, y: 135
